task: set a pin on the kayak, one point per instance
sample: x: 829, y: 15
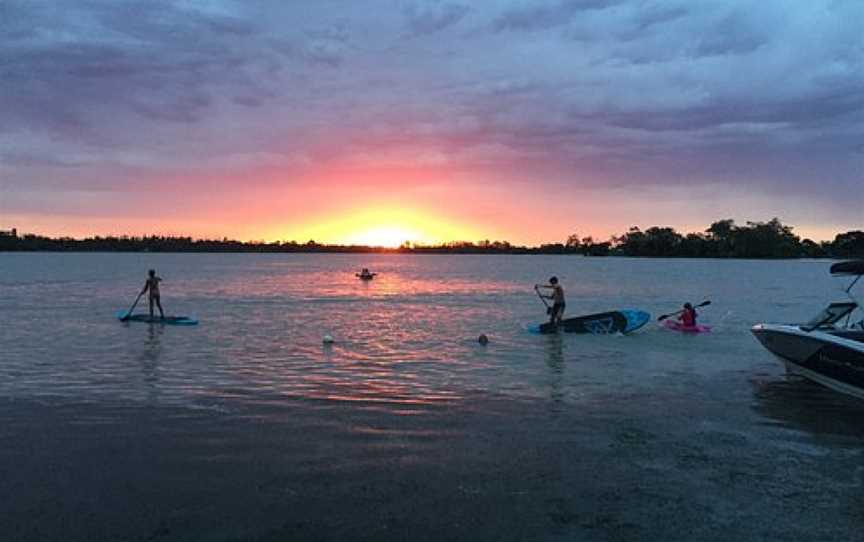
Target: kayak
x: 603, y: 323
x: 674, y: 325
x: 168, y: 320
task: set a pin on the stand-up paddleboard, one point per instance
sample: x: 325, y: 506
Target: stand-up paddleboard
x: 675, y: 325
x: 168, y: 320
x: 603, y: 323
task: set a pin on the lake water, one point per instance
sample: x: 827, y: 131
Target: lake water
x: 247, y: 427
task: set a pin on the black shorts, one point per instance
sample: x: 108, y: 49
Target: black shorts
x: 558, y: 308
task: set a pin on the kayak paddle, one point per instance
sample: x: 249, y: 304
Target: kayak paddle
x: 665, y: 316
x: 132, y: 308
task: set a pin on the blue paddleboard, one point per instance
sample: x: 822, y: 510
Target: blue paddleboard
x: 635, y: 319
x: 603, y: 323
x: 168, y: 320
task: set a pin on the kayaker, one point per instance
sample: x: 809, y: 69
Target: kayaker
x: 152, y: 285
x: 688, y: 316
x: 556, y: 312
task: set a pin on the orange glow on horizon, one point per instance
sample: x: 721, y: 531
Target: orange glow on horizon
x: 379, y: 226
x: 388, y: 237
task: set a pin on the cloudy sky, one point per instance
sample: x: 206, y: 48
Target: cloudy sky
x: 436, y: 120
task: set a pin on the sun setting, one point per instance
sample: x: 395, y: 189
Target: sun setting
x: 388, y: 237
x: 383, y: 225
x: 431, y: 270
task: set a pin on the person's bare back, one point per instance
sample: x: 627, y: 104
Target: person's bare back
x: 152, y: 285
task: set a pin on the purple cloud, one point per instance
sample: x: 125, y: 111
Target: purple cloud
x: 616, y: 93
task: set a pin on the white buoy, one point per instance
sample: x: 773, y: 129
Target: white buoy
x: 328, y: 339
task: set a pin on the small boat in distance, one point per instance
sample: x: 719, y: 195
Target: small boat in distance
x: 829, y: 349
x: 365, y: 274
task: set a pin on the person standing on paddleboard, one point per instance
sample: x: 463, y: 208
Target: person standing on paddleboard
x: 556, y: 312
x: 152, y: 285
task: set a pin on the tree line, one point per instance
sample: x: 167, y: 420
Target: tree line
x: 722, y: 239
x: 725, y: 239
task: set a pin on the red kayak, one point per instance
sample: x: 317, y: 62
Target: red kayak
x: 674, y: 325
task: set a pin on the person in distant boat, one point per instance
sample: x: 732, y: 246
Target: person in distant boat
x: 556, y: 312
x: 365, y: 273
x: 688, y: 316
x: 152, y: 286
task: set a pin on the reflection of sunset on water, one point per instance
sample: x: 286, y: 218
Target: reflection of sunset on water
x: 391, y: 346
x: 289, y: 277
x: 258, y: 155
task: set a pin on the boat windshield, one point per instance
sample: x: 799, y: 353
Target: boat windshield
x: 830, y: 315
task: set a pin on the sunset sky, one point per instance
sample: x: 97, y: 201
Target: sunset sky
x: 383, y: 121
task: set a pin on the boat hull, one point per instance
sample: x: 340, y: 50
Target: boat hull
x: 829, y: 359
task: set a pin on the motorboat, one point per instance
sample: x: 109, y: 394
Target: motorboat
x: 829, y: 349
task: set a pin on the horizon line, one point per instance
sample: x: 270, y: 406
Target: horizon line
x: 406, y: 244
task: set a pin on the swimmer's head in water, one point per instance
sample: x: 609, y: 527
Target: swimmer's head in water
x: 483, y: 339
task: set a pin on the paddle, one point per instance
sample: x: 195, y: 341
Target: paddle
x: 665, y: 316
x: 543, y: 299
x: 132, y: 308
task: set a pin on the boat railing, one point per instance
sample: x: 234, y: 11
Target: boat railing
x: 830, y: 315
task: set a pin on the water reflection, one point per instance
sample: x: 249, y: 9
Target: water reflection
x: 800, y: 404
x: 149, y: 360
x: 554, y: 354
x: 284, y: 280
x: 409, y: 335
x: 554, y: 351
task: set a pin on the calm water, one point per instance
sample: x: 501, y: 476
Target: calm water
x: 248, y: 427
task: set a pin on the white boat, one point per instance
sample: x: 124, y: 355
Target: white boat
x: 830, y: 348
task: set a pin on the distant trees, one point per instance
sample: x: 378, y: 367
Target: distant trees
x: 722, y: 239
x: 655, y: 241
x: 725, y: 239
x: 585, y: 246
x: 848, y: 245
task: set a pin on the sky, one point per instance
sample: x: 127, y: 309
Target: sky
x: 385, y: 121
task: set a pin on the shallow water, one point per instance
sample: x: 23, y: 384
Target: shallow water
x: 248, y: 427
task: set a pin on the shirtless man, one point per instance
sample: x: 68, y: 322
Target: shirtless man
x: 556, y: 312
x: 152, y: 284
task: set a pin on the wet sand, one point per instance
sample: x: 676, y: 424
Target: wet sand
x: 486, y: 469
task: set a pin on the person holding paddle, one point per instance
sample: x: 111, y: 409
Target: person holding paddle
x: 556, y: 311
x: 152, y: 285
x: 688, y: 316
x: 686, y: 320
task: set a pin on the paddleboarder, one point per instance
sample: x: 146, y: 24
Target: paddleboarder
x: 152, y: 285
x: 556, y: 311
